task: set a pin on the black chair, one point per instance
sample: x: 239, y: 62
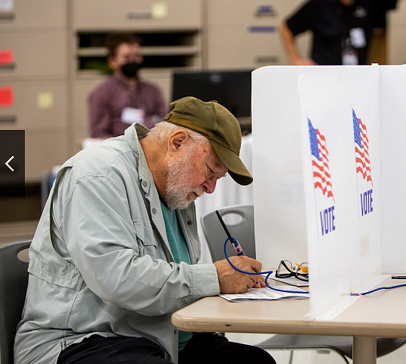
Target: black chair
x: 13, y: 286
x: 240, y: 223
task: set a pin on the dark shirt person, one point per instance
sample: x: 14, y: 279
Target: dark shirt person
x: 341, y: 30
x: 124, y: 98
x: 115, y: 252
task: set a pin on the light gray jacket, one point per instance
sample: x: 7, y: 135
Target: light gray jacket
x: 100, y: 261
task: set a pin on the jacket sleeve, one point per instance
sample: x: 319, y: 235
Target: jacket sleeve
x: 104, y: 246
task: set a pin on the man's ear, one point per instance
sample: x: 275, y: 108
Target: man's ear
x: 178, y: 139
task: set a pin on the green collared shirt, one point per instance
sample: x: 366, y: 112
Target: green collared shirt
x: 180, y: 253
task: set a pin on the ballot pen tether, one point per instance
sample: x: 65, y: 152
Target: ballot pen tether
x: 234, y: 242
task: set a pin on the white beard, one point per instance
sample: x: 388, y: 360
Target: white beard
x: 178, y: 193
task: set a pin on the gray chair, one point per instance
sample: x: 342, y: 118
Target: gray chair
x: 13, y: 286
x: 240, y: 222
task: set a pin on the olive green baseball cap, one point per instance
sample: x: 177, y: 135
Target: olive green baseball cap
x: 218, y: 125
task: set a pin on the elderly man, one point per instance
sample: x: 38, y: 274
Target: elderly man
x: 115, y: 251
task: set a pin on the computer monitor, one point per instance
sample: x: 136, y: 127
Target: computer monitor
x: 231, y: 88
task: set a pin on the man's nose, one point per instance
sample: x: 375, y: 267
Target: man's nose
x: 209, y: 185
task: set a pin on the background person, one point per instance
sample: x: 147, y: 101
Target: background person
x: 124, y: 98
x: 115, y: 251
x: 341, y: 30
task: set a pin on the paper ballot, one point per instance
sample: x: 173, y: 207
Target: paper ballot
x: 266, y: 294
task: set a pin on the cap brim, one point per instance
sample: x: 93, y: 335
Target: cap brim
x: 233, y: 163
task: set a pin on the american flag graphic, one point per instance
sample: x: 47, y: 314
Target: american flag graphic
x: 320, y: 161
x: 361, y: 141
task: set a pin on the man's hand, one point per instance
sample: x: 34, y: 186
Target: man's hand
x: 232, y: 281
x: 303, y: 62
x: 288, y: 41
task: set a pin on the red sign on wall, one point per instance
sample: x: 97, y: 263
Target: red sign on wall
x: 6, y: 96
x: 6, y: 56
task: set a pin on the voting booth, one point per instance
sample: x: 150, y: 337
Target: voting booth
x: 329, y: 169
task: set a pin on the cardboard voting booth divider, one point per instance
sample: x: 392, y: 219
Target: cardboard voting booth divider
x: 327, y: 161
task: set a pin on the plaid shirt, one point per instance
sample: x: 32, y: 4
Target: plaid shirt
x: 108, y: 100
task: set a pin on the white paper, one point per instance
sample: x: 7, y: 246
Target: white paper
x: 266, y: 294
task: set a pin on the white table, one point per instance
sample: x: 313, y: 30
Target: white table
x: 380, y: 314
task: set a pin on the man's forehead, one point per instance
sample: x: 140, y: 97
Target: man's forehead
x: 129, y: 48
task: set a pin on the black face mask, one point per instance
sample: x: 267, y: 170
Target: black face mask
x: 130, y: 70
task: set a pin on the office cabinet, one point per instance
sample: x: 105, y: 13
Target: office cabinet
x: 263, y: 48
x: 160, y: 49
x: 128, y: 14
x: 80, y: 118
x: 397, y: 34
x: 398, y: 15
x: 247, y: 35
x: 170, y: 31
x: 396, y: 45
x: 161, y: 77
x: 43, y: 151
x: 36, y: 55
x: 34, y: 72
x: 249, y: 11
x: 37, y: 105
x: 40, y: 14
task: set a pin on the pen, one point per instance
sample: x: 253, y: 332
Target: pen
x: 234, y: 242
x: 398, y: 277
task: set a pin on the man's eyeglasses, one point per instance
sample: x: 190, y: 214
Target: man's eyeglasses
x: 286, y: 269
